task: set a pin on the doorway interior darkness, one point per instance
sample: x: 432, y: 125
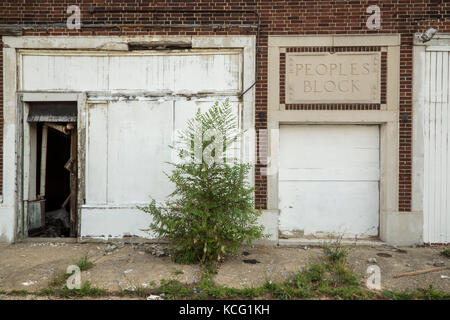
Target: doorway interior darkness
x: 51, y: 209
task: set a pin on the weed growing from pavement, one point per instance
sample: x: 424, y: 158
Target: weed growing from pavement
x: 84, y: 264
x: 18, y: 292
x: 57, y: 286
x: 86, y: 290
x: 445, y: 253
x: 177, y: 272
x: 422, y: 294
x: 60, y: 279
x: 336, y: 252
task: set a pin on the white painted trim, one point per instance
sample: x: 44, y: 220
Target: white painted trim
x: 441, y: 42
x: 104, y: 42
x: 418, y: 133
x: 333, y: 116
x: 438, y: 48
x: 48, y: 96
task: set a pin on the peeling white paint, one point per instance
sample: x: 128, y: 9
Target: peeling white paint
x: 106, y: 223
x: 135, y: 101
x: 214, y: 71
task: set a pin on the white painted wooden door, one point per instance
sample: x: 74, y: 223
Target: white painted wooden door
x: 329, y: 180
x: 436, y: 204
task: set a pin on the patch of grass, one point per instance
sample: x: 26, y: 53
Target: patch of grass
x: 174, y: 289
x: 59, y: 280
x: 177, y: 272
x: 57, y: 286
x: 86, y: 290
x: 279, y: 290
x: 343, y: 276
x: 397, y: 295
x: 431, y: 294
x: 321, y: 279
x: 420, y: 294
x: 18, y: 293
x: 445, y: 253
x: 84, y: 264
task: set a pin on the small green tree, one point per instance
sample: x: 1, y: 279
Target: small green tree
x: 211, y: 212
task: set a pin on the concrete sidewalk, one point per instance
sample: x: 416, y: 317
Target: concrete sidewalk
x: 32, y: 265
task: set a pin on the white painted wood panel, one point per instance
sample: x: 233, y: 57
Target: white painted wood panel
x: 329, y: 179
x: 127, y: 148
x: 139, y: 133
x: 436, y: 148
x: 207, y: 71
x: 97, y: 154
x: 185, y: 110
x: 127, y: 152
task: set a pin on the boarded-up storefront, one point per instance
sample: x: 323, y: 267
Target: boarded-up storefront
x: 129, y: 107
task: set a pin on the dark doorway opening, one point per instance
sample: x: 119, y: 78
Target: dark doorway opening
x: 52, y: 212
x: 57, y: 181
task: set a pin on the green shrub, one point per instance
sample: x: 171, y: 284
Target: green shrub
x: 211, y: 211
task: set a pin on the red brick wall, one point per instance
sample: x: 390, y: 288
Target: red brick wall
x: 278, y: 18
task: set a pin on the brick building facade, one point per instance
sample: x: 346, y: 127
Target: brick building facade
x: 128, y: 18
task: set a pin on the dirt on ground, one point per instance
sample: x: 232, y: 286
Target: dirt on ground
x: 119, y: 266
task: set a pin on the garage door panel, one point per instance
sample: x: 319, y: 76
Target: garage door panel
x: 332, y: 146
x: 330, y: 174
x: 334, y: 207
x: 329, y: 179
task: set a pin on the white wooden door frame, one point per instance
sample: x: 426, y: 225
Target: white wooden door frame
x: 423, y: 53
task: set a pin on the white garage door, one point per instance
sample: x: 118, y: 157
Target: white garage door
x: 329, y: 180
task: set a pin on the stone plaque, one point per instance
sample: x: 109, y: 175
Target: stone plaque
x: 343, y: 77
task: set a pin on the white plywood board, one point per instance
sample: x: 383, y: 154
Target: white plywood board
x: 109, y: 223
x: 207, y: 71
x: 139, y: 133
